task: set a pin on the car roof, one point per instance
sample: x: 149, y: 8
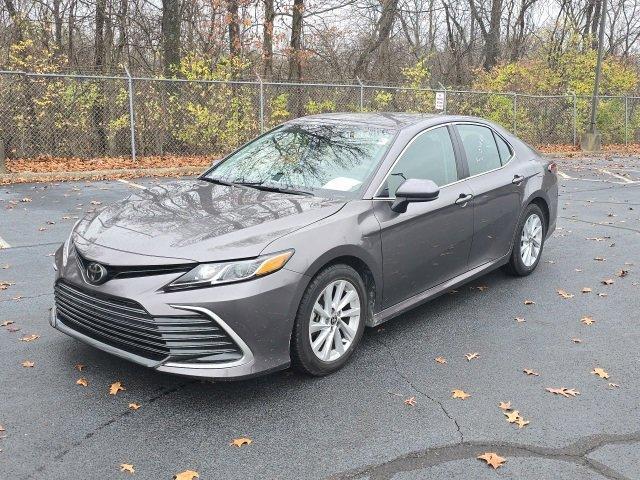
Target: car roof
x: 395, y: 120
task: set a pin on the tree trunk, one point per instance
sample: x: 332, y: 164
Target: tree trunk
x: 15, y: 18
x: 171, y: 36
x: 492, y: 39
x: 267, y: 38
x: 57, y: 20
x: 295, y: 55
x: 234, y: 28
x: 383, y: 29
x: 97, y: 111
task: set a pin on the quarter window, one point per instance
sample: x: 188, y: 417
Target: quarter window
x: 480, y: 147
x: 429, y: 157
x: 504, y: 149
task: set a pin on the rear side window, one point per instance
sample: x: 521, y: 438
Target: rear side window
x: 504, y: 149
x: 480, y: 147
x: 430, y: 156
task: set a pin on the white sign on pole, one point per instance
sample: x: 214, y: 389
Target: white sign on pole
x: 440, y: 96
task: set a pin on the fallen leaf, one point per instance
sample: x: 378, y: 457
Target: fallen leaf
x: 504, y: 405
x: 607, y: 281
x: 565, y: 392
x: 79, y: 366
x: 6, y: 322
x: 521, y: 422
x: 613, y: 385
x: 82, y: 381
x: 529, y: 302
x: 586, y: 290
x: 528, y: 371
x: 602, y: 294
x: 482, y: 288
x: 186, y: 475
x: 622, y: 273
x: 127, y: 467
x: 576, y: 340
x: 600, y: 372
x: 27, y: 364
x: 30, y: 338
x: 587, y: 320
x: 471, y: 356
x: 564, y: 294
x: 116, y: 387
x: 599, y: 259
x: 25, y: 200
x: 411, y: 401
x: 492, y: 459
x: 4, y: 284
x: 134, y: 406
x: 513, y: 416
x: 520, y: 319
x: 240, y: 442
x: 441, y: 360
x: 459, y: 394
x: 95, y: 202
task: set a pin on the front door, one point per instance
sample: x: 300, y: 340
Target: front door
x: 430, y: 242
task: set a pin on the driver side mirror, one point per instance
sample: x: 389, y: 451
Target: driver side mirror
x: 414, y: 190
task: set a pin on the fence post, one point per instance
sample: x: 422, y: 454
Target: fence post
x: 261, y: 103
x: 574, y: 116
x: 515, y: 113
x: 626, y: 120
x: 132, y: 117
x: 361, y: 93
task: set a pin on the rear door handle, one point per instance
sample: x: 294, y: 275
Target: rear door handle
x: 463, y: 199
x: 517, y: 179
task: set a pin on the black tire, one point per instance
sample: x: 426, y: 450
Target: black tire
x: 303, y: 358
x: 516, y: 266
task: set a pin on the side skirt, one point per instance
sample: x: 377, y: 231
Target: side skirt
x: 412, y: 302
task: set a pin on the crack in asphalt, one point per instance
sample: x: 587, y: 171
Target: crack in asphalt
x: 600, y: 224
x: 61, y: 454
x: 406, y: 378
x: 575, y: 453
x: 25, y: 298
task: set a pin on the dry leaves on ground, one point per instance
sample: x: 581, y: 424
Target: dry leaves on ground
x: 186, y: 475
x: 127, y: 467
x: 441, y: 360
x: 565, y: 392
x: 4, y: 284
x: 504, y: 405
x: 30, y: 338
x: 587, y: 320
x: 564, y: 294
x: 528, y: 371
x: 471, y: 356
x: 529, y: 302
x: 411, y: 401
x: 493, y: 459
x: 607, y: 281
x: 82, y: 381
x: 462, y: 395
x: 240, y: 442
x: 79, y: 367
x: 600, y: 372
x: 116, y: 387
x: 586, y: 290
x: 27, y: 364
x: 134, y: 406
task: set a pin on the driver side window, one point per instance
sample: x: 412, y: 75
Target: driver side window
x: 429, y: 156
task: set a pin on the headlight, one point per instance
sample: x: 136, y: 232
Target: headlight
x: 208, y: 274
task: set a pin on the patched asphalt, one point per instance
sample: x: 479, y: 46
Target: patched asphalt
x: 352, y: 424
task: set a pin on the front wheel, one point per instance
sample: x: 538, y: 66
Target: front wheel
x: 330, y: 321
x: 529, y: 241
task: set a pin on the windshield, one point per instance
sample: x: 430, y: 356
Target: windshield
x: 309, y: 157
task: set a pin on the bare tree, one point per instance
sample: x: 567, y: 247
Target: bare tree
x: 171, y: 26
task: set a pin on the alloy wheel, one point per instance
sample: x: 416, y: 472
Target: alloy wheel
x: 531, y: 240
x: 334, y: 320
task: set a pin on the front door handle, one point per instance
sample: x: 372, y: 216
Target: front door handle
x: 517, y: 179
x: 463, y: 199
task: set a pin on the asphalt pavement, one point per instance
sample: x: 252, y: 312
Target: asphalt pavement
x: 355, y: 423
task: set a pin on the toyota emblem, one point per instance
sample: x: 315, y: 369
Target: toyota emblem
x: 96, y: 273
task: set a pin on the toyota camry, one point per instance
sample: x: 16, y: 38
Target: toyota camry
x: 284, y: 251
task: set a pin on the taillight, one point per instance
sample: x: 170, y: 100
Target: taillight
x: 552, y: 167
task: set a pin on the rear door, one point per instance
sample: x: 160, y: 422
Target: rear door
x: 497, y: 186
x: 430, y: 242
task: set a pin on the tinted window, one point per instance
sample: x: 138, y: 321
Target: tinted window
x: 429, y: 156
x: 504, y: 149
x: 480, y: 147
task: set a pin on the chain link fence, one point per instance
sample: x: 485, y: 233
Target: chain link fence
x: 59, y: 115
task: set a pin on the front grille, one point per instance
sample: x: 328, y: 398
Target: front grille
x: 126, y: 325
x: 124, y: 271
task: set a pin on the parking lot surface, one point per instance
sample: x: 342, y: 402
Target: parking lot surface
x: 355, y: 423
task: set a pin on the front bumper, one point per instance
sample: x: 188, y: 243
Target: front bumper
x: 257, y: 315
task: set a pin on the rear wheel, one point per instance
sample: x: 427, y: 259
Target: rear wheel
x: 529, y: 241
x: 330, y: 321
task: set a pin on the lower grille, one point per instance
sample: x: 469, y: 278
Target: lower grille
x: 126, y: 325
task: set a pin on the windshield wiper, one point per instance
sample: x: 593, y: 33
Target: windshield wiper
x: 273, y: 188
x: 217, y: 181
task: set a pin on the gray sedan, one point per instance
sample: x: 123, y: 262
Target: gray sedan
x: 283, y: 252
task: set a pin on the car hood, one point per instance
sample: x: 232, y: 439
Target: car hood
x: 196, y: 221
